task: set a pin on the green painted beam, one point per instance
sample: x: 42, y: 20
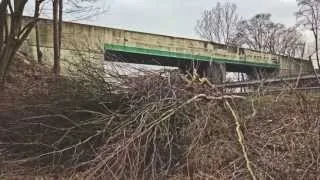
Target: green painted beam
x: 183, y: 56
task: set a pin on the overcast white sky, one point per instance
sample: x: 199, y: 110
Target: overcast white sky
x: 178, y: 17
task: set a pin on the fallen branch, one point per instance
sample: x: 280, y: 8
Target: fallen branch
x: 241, y: 140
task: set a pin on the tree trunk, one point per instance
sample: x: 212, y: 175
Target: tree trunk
x: 3, y: 66
x: 13, y: 36
x: 39, y: 53
x: 56, y: 53
x: 317, y: 50
x: 60, y: 23
x: 243, y: 89
x: 3, y: 24
x: 6, y: 59
x: 12, y: 42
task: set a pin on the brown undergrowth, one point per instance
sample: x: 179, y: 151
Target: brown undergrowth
x: 154, y: 127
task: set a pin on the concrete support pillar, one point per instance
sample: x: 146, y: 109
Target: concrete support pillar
x: 215, y: 72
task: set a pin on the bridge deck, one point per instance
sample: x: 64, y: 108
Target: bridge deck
x: 185, y: 57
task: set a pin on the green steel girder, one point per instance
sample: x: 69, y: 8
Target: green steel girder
x: 184, y: 56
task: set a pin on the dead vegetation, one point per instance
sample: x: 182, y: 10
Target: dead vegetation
x: 155, y: 127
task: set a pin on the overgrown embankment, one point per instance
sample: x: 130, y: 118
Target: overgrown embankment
x: 153, y: 127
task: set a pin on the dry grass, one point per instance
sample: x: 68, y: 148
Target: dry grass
x: 154, y: 127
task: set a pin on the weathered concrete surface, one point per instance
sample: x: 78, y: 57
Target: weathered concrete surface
x: 215, y: 72
x: 86, y: 41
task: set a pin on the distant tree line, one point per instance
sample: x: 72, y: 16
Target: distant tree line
x: 223, y: 24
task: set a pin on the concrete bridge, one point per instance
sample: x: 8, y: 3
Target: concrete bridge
x: 211, y: 59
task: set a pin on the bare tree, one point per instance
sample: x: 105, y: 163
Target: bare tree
x: 309, y: 16
x: 83, y: 9
x: 60, y: 21
x: 39, y: 53
x: 56, y: 37
x: 260, y: 33
x: 3, y: 22
x: 253, y: 33
x: 13, y: 35
x: 219, y: 23
x: 78, y: 9
x: 290, y: 42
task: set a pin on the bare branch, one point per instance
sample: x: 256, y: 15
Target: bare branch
x: 308, y: 16
x: 260, y: 33
x: 219, y: 23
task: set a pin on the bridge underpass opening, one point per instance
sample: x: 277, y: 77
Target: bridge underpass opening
x: 132, y: 70
x: 213, y: 68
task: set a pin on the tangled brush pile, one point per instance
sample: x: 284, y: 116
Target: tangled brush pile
x: 155, y: 127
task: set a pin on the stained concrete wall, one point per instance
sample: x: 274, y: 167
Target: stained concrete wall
x: 292, y: 66
x: 89, y: 40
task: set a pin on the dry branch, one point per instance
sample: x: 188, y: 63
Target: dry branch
x: 153, y: 126
x: 241, y: 140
